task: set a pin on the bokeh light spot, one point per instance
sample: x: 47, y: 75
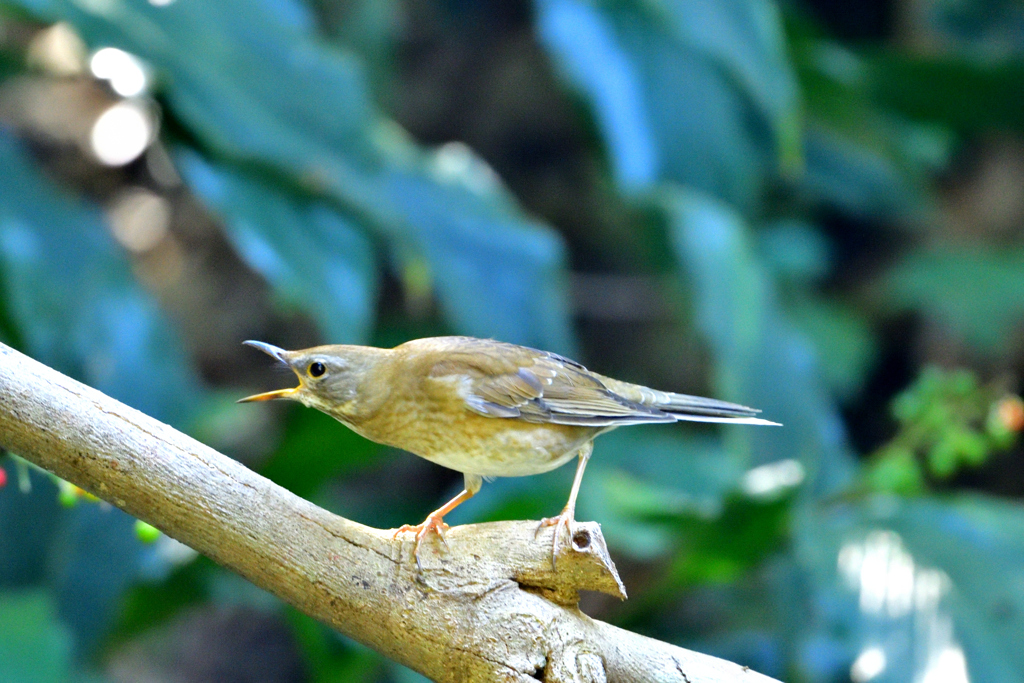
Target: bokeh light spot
x: 124, y: 71
x: 121, y: 134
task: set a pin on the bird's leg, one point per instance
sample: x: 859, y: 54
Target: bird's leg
x: 434, y: 520
x: 568, y: 515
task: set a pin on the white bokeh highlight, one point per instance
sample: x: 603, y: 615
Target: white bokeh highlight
x: 121, y: 133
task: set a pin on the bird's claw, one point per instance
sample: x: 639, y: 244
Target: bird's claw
x: 431, y: 523
x: 565, y: 519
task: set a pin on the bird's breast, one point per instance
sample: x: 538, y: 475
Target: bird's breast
x: 450, y: 435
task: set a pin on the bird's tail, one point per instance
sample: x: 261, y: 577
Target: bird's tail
x: 685, y: 407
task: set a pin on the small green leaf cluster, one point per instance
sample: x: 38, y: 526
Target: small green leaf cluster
x: 947, y: 421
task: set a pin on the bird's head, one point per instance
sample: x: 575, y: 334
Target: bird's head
x: 329, y: 376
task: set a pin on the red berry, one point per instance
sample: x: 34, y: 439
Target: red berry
x: 1011, y: 413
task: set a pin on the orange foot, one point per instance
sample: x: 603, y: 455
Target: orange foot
x: 434, y: 523
x: 566, y: 519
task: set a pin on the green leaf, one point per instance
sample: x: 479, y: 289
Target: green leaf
x: 642, y: 478
x: 223, y: 67
x: 796, y: 251
x: 722, y: 549
x: 28, y: 520
x: 895, y: 470
x: 746, y: 38
x: 498, y: 274
x: 583, y: 41
x: 97, y: 558
x: 965, y: 94
x: 858, y: 177
x: 693, y: 465
x: 760, y: 361
x: 313, y: 255
x: 860, y: 157
x: 146, y: 605
x: 843, y: 340
x: 330, y: 658
x: 76, y: 304
x: 708, y: 547
x: 34, y: 646
x: 636, y: 63
x: 976, y: 293
x: 315, y: 448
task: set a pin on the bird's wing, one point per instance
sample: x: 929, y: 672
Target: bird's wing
x: 503, y: 380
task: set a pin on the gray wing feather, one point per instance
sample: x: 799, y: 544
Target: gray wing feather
x: 547, y: 388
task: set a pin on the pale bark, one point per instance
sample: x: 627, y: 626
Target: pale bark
x: 488, y: 608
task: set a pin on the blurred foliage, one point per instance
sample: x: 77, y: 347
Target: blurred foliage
x: 946, y: 421
x: 793, y: 205
x: 72, y: 299
x: 36, y: 646
x: 975, y: 292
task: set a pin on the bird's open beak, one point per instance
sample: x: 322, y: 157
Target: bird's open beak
x: 269, y: 395
x: 279, y: 354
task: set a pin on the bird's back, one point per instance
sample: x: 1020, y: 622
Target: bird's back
x: 507, y: 381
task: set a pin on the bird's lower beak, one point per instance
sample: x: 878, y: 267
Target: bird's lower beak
x: 279, y: 354
x: 270, y: 395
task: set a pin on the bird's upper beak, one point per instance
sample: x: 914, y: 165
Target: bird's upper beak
x: 281, y: 355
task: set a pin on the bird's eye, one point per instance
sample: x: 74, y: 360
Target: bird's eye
x: 316, y: 369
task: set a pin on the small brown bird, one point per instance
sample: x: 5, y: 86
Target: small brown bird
x: 481, y: 407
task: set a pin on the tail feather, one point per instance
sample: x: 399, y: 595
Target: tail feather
x: 686, y: 407
x: 689, y: 417
x: 697, y: 409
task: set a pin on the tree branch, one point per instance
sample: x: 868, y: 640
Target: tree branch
x: 489, y: 608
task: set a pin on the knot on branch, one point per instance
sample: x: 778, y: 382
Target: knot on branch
x: 514, y: 551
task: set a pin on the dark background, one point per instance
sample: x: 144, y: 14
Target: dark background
x: 814, y: 208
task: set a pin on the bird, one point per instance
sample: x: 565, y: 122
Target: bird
x: 481, y: 407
